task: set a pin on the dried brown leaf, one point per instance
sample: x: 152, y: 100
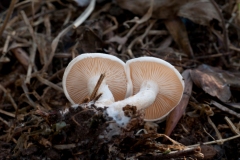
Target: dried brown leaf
x: 199, y: 11
x: 215, y: 82
x: 179, y: 33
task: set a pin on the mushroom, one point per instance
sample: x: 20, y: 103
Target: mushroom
x: 157, y: 88
x: 83, y: 72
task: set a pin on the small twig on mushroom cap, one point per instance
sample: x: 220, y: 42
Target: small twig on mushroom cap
x: 93, y: 95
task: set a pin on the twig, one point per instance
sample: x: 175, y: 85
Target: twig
x: 4, y: 121
x: 9, y: 96
x: 57, y: 74
x: 225, y: 39
x: 141, y: 37
x: 10, y: 10
x: 62, y: 55
x: 146, y: 17
x: 54, y: 47
x: 112, y: 28
x: 6, y: 44
x: 230, y: 20
x: 39, y: 98
x: 216, y: 141
x: 25, y: 90
x: 7, y: 113
x: 215, y: 128
x: 18, y: 42
x: 93, y: 95
x: 21, y: 56
x: 104, y: 8
x: 213, y: 56
x: 31, y: 63
x: 231, y: 125
x: 28, y: 1
x: 85, y: 14
x: 158, y: 32
x: 30, y: 29
x: 11, y: 78
x: 47, y: 24
x: 222, y: 58
x: 68, y: 18
x: 48, y: 83
x: 64, y: 146
x: 176, y: 154
x: 225, y: 109
x: 208, y: 133
x: 233, y: 105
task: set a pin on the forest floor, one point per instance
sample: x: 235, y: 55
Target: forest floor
x: 39, y: 38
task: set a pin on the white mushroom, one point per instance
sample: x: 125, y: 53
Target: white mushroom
x: 83, y: 72
x: 157, y: 87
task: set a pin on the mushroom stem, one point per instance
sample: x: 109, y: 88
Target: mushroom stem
x: 144, y: 98
x: 106, y: 97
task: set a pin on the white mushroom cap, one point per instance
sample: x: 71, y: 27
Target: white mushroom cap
x: 81, y: 69
x: 168, y: 79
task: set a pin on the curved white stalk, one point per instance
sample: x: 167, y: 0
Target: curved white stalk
x: 106, y: 97
x: 144, y: 98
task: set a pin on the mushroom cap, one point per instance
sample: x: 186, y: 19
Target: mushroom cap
x: 85, y: 66
x: 169, y: 80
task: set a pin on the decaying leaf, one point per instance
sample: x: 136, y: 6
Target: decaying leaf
x: 179, y: 33
x: 215, y: 81
x: 39, y: 38
x: 199, y: 11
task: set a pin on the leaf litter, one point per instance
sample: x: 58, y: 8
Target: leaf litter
x: 39, y: 38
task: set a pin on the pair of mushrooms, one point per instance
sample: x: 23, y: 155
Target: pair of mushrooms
x: 155, y: 84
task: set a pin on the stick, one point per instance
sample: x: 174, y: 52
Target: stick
x: 9, y: 96
x: 31, y: 64
x: 11, y: 7
x: 45, y: 81
x: 231, y: 125
x: 184, y: 153
x: 85, y: 14
x: 223, y: 108
x: 93, y: 95
x: 216, y: 141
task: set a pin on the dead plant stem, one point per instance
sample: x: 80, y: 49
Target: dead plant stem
x: 48, y: 83
x: 215, y: 128
x: 9, y: 13
x: 9, y: 96
x: 31, y: 63
x: 99, y: 82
